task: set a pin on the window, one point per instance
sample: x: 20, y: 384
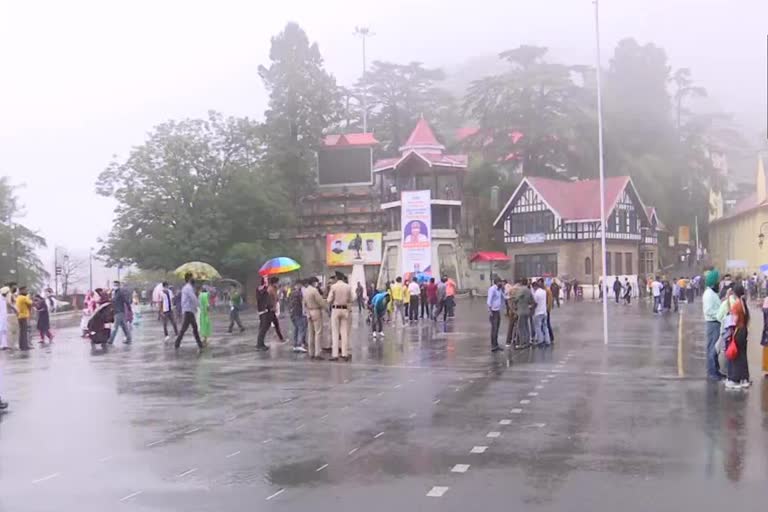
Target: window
x: 612, y: 223
x: 535, y: 265
x: 633, y: 227
x: 534, y: 222
x: 608, y: 263
x: 623, y: 228
x: 617, y: 264
x: 628, y: 263
x: 588, y: 266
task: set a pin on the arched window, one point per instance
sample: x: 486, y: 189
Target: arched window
x: 588, y: 266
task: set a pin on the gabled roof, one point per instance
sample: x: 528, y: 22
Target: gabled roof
x: 422, y: 138
x: 650, y: 212
x: 350, y: 139
x: 575, y: 201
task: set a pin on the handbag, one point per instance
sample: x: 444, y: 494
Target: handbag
x: 732, y: 352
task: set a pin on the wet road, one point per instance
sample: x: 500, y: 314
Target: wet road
x: 426, y: 420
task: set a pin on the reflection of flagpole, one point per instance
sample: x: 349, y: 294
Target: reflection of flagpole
x: 602, y: 172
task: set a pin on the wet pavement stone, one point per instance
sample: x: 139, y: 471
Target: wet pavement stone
x: 426, y: 419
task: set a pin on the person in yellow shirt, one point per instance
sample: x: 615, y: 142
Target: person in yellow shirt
x: 406, y: 302
x: 23, y: 312
x: 397, y: 292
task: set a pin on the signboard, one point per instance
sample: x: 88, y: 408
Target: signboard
x: 344, y: 166
x: 534, y: 238
x: 416, y: 222
x: 684, y: 235
x: 345, y: 249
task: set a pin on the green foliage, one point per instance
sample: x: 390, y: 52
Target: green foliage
x: 19, y: 261
x: 398, y: 94
x: 303, y: 101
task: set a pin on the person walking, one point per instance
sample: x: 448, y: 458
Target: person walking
x: 431, y: 289
x: 314, y: 305
x: 398, y: 292
x: 711, y: 308
x: 550, y: 307
x: 423, y: 301
x: 235, y: 304
x: 677, y: 291
x: 627, y: 292
x: 4, y: 292
x: 555, y: 289
x: 450, y: 296
x: 166, y: 310
x: 298, y: 316
x: 406, y: 302
x: 617, y: 289
x: 43, y: 319
x: 656, y: 292
x: 442, y: 307
x: 204, y: 312
x: 379, y: 309
x: 23, y: 312
x: 414, y: 290
x: 267, y: 304
x: 523, y: 301
x: 121, y: 302
x: 360, y: 297
x: 540, y: 314
x: 495, y: 302
x: 189, y: 305
x: 340, y: 298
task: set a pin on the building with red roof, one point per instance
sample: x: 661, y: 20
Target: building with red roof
x: 552, y: 227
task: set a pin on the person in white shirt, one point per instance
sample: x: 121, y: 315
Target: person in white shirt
x: 166, y: 309
x: 540, y: 314
x: 414, y: 290
x: 656, y: 287
x: 414, y: 234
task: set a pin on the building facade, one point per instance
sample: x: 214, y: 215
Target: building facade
x: 552, y: 228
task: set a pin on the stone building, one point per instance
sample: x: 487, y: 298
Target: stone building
x: 552, y: 228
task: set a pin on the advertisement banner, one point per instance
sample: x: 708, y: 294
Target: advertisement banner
x: 346, y: 249
x: 416, y: 221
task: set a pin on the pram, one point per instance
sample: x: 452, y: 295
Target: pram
x: 100, y: 324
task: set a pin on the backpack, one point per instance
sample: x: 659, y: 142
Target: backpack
x: 262, y: 299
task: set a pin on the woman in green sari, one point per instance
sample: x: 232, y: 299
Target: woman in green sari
x: 205, y: 320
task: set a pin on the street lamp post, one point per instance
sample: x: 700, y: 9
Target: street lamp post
x: 90, y: 269
x: 602, y: 168
x: 364, y: 33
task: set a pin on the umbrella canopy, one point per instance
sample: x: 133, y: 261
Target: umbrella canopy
x: 200, y: 271
x: 279, y: 265
x: 489, y: 256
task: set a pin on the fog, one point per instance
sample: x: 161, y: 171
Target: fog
x: 85, y: 80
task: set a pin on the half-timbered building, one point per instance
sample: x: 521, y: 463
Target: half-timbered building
x: 552, y: 227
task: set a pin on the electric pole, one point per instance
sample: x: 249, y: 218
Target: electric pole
x: 363, y: 33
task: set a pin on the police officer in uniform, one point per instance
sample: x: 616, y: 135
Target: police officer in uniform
x: 314, y: 305
x: 340, y: 298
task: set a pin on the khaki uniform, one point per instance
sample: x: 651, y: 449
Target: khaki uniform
x: 340, y: 298
x: 314, y: 304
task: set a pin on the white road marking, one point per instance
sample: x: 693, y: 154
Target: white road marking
x: 231, y: 418
x: 187, y: 472
x: 132, y: 495
x: 551, y: 376
x: 192, y: 430
x: 381, y: 393
x: 323, y: 417
x: 364, y: 400
x: 45, y: 478
x: 398, y: 386
x: 153, y: 443
x: 300, y: 427
x: 460, y: 468
x: 536, y: 425
x: 278, y: 493
x: 321, y: 468
x: 544, y: 381
x: 516, y: 411
x: 505, y: 422
x: 413, y: 415
x: 436, y: 401
x: 533, y: 393
x: 539, y: 387
x: 353, y: 450
x: 525, y: 402
x: 378, y: 435
x: 105, y: 459
x: 437, y: 492
x: 233, y: 454
x: 493, y: 434
x: 266, y: 441
x: 478, y: 449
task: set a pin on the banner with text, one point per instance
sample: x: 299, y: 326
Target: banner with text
x: 349, y: 248
x: 416, y: 221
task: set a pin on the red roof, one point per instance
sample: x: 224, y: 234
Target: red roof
x: 579, y: 200
x: 745, y: 205
x: 350, y: 139
x: 422, y: 137
x: 489, y: 256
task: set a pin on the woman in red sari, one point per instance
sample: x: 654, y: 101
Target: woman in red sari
x: 738, y: 368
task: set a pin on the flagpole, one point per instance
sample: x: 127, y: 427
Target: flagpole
x: 602, y: 171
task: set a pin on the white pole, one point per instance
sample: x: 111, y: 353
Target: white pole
x: 602, y: 172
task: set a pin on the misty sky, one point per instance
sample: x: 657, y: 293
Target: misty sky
x: 84, y: 80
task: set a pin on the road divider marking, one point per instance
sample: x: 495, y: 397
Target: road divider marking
x: 46, y: 478
x: 436, y: 401
x: 278, y: 493
x: 437, y: 492
x: 478, y: 449
x: 460, y: 468
x: 233, y: 454
x: 378, y: 435
x: 533, y: 393
x: 321, y: 468
x: 525, y: 402
x: 505, y: 422
x: 353, y: 450
x: 493, y: 434
x: 516, y: 411
x: 130, y: 496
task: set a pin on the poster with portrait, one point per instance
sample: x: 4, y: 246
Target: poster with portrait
x: 344, y: 249
x: 416, y: 221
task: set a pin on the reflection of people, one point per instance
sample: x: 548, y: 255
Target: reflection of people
x: 369, y: 245
x: 416, y: 231
x: 337, y: 247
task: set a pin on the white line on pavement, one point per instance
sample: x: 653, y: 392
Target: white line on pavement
x: 48, y: 477
x: 233, y: 454
x: 153, y: 443
x: 533, y: 393
x: 187, y: 472
x: 460, y: 468
x: 132, y: 495
x: 516, y: 411
x: 437, y: 492
x: 493, y: 434
x: 539, y: 387
x: 398, y: 386
x: 378, y: 435
x: 278, y: 493
x: 266, y: 441
x: 525, y: 402
x: 192, y: 430
x: 353, y: 450
x: 505, y: 422
x: 300, y: 427
x: 436, y: 401
x: 321, y: 468
x: 478, y: 449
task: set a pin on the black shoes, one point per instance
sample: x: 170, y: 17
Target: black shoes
x: 333, y: 359
x: 262, y: 348
x: 497, y: 349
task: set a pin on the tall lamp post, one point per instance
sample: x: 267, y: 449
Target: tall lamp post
x: 90, y: 269
x: 602, y: 169
x: 364, y: 33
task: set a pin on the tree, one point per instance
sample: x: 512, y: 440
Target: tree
x: 190, y: 192
x: 19, y: 261
x: 528, y: 114
x: 303, y: 102
x: 71, y: 273
x: 684, y: 88
x: 398, y: 94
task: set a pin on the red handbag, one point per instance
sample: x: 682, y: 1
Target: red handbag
x: 732, y: 352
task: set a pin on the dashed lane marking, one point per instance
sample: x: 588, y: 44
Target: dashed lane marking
x: 130, y: 496
x: 278, y: 493
x: 478, y: 449
x: 323, y: 417
x: 153, y: 443
x: 266, y: 441
x: 525, y: 402
x: 187, y: 472
x: 533, y: 393
x: 353, y: 450
x: 192, y: 430
x: 516, y: 411
x: 493, y: 434
x: 460, y: 468
x: 46, y: 478
x: 505, y: 422
x: 300, y: 427
x: 539, y: 387
x: 378, y: 435
x: 436, y: 401
x: 437, y: 492
x: 321, y: 468
x: 233, y: 454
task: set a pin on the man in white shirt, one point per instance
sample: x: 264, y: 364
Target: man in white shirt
x: 414, y: 290
x: 540, y: 314
x: 166, y: 309
x: 656, y: 287
x: 415, y: 235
